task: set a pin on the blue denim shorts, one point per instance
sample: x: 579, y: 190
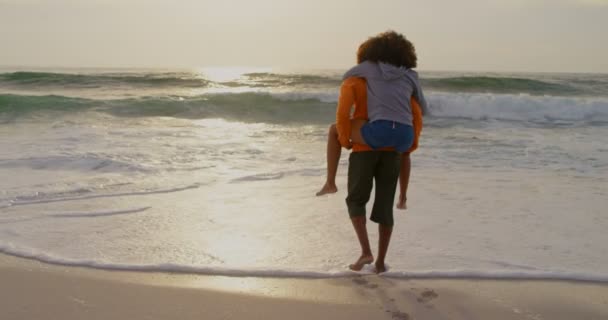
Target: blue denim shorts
x: 384, y: 133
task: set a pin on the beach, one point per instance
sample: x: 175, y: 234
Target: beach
x: 33, y: 290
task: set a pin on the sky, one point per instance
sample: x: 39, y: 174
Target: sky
x: 464, y: 35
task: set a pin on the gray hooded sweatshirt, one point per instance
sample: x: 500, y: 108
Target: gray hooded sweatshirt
x: 389, y: 90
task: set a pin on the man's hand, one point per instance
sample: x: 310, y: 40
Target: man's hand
x: 346, y: 144
x: 402, y: 203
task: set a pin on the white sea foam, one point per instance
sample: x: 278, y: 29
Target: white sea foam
x: 97, y: 214
x: 456, y: 227
x: 517, y: 107
x: 301, y: 273
x: 20, y: 202
x: 326, y: 96
x: 263, y: 176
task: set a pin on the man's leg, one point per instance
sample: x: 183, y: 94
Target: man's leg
x: 384, y: 238
x: 359, y: 223
x: 386, y: 176
x: 360, y: 182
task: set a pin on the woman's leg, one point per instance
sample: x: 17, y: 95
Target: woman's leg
x: 355, y: 131
x: 334, y: 150
x: 404, y: 180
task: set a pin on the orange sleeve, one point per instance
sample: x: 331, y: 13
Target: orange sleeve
x: 416, y: 122
x: 345, y: 103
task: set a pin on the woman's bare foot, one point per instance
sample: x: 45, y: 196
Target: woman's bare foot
x: 327, y: 188
x: 401, y: 204
x: 380, y: 268
x: 361, y: 262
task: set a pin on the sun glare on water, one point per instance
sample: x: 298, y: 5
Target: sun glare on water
x: 224, y: 74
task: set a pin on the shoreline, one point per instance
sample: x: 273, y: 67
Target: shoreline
x: 563, y: 276
x: 36, y: 290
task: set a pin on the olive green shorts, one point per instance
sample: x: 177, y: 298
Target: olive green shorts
x: 363, y: 169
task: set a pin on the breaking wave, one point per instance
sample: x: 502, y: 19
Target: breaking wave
x: 297, y: 108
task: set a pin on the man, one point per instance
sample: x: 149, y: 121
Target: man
x: 365, y: 165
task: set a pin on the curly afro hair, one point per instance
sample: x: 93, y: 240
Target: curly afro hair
x: 388, y: 47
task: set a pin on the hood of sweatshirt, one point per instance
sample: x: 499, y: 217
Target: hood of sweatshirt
x: 391, y: 72
x: 381, y: 70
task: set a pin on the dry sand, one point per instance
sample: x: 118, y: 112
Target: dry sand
x: 33, y: 290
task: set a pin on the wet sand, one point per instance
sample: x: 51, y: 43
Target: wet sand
x: 34, y: 290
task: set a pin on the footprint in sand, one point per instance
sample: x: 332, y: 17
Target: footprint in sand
x: 365, y: 283
x: 394, y: 314
x: 400, y: 315
x: 427, y: 295
x: 360, y: 281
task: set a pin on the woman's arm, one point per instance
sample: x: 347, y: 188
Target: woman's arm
x: 362, y: 70
x: 419, y: 95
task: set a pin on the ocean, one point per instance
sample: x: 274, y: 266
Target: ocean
x: 214, y: 171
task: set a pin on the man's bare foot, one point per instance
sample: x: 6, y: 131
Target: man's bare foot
x: 401, y: 203
x: 327, y: 188
x: 380, y: 267
x: 361, y: 262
